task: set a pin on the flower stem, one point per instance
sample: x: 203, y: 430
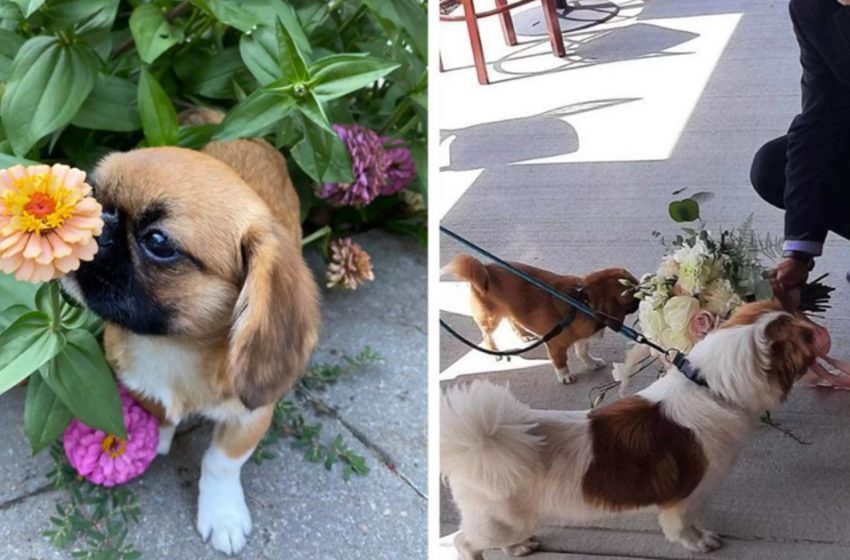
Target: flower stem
x: 56, y: 304
x: 318, y: 234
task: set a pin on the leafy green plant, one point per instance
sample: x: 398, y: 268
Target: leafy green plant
x: 95, y: 521
x: 289, y: 420
x: 53, y: 342
x: 83, y: 78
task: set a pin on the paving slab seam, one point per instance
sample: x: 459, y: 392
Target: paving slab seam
x: 12, y: 502
x: 323, y: 408
x: 727, y: 536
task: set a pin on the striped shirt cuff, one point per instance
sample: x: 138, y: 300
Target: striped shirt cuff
x: 811, y: 247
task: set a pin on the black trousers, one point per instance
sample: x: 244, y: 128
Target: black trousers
x: 769, y: 180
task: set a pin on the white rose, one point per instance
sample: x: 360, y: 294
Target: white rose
x: 651, y: 320
x: 678, y: 312
x: 672, y: 338
x: 669, y: 268
x: 720, y: 298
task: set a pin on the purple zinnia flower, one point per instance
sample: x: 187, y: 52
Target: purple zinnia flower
x: 108, y: 460
x: 368, y: 160
x: 378, y: 169
x: 400, y: 168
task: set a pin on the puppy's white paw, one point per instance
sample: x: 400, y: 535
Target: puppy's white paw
x: 523, y: 548
x: 564, y: 376
x: 166, y: 436
x: 595, y: 364
x: 223, y: 516
x: 697, y: 540
x: 225, y: 522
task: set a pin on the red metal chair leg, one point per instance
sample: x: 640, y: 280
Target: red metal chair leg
x: 507, y: 23
x: 475, y: 41
x: 554, y: 28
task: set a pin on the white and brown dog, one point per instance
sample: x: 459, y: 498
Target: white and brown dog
x: 513, y: 469
x: 209, y: 306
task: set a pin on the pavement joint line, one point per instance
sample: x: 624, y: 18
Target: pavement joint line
x: 321, y: 407
x: 742, y: 538
x: 12, y: 502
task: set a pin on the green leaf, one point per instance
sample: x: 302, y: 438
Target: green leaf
x: 110, y: 106
x: 341, y: 74
x: 311, y: 108
x: 10, y: 43
x: 197, y: 136
x: 49, y: 83
x: 229, y: 12
x: 292, y: 61
x: 14, y: 292
x: 82, y: 379
x: 686, y: 210
x: 8, y: 160
x: 214, y: 77
x: 159, y: 119
x: 322, y: 155
x: 26, y: 345
x: 152, y: 33
x: 29, y: 7
x: 87, y: 16
x: 260, y: 53
x: 45, y: 415
x: 254, y: 116
x: 408, y: 16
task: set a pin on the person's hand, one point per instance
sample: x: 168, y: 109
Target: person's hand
x: 787, y: 278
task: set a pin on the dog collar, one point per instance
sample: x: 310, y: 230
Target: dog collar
x: 688, y: 370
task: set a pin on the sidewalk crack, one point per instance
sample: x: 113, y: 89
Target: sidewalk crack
x: 323, y: 408
x: 24, y: 497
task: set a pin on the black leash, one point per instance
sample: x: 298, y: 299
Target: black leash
x: 676, y: 357
x: 556, y: 330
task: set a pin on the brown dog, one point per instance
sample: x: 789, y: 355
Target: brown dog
x: 209, y: 306
x: 499, y: 294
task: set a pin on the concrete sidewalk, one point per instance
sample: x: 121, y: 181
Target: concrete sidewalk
x: 569, y: 164
x: 300, y: 510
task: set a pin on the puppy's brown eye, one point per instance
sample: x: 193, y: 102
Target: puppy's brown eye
x: 158, y: 246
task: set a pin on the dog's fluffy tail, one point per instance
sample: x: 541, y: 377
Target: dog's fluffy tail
x: 485, y: 438
x: 470, y: 269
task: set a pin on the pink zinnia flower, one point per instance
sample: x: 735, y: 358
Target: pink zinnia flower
x: 48, y: 221
x: 108, y: 460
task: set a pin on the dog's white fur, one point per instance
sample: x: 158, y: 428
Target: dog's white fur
x: 493, y: 462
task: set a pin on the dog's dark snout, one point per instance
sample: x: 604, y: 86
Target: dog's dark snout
x: 111, y: 223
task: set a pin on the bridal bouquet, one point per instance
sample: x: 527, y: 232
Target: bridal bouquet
x: 703, y: 277
x: 700, y: 281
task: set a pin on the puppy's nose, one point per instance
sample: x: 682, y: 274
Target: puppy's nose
x: 111, y: 223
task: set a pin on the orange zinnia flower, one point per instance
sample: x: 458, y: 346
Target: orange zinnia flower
x: 48, y: 221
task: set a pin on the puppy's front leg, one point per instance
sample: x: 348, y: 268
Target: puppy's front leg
x: 558, y: 355
x: 223, y: 516
x: 677, y: 524
x: 166, y: 426
x: 583, y: 352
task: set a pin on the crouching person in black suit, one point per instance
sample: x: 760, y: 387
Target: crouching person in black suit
x: 807, y: 171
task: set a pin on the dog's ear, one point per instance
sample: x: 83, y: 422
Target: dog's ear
x: 276, y: 319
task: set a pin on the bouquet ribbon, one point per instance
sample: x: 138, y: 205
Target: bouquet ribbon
x: 818, y: 375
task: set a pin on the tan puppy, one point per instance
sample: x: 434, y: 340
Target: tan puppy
x: 514, y: 470
x: 209, y: 305
x: 498, y: 294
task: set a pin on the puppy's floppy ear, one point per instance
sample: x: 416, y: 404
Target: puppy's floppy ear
x: 276, y: 319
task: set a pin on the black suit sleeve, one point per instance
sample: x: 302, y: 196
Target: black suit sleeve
x: 815, y: 136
